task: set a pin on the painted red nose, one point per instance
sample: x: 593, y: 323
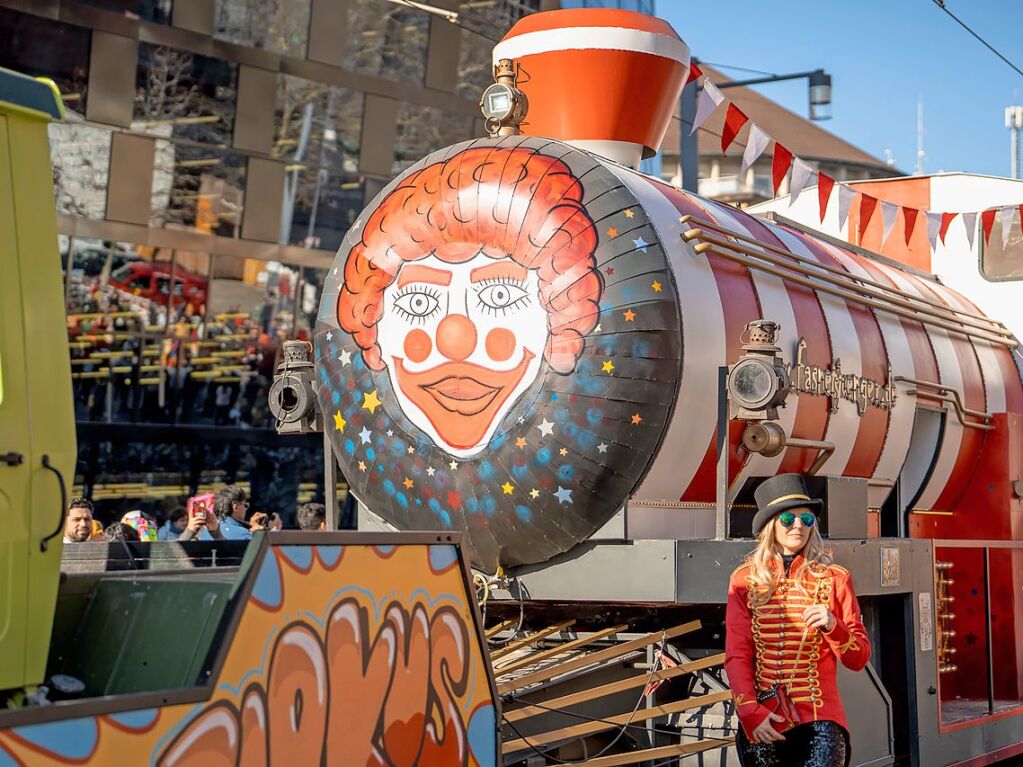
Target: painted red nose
x: 456, y: 337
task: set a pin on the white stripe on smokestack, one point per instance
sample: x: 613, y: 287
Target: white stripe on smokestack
x: 592, y: 38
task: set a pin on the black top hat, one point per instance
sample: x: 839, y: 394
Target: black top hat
x: 776, y: 494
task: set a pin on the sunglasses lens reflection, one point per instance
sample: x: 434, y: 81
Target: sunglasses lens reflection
x: 787, y: 519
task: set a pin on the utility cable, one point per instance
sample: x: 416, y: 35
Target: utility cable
x: 985, y: 43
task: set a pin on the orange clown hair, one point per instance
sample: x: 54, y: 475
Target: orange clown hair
x: 505, y: 203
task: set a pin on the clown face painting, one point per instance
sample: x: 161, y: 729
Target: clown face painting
x: 495, y: 348
x: 461, y: 343
x: 465, y: 284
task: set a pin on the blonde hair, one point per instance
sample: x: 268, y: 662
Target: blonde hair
x: 767, y: 570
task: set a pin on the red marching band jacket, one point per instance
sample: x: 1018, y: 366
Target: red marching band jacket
x: 765, y: 645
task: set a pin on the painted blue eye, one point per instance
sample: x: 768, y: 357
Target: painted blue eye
x: 416, y: 303
x: 501, y: 295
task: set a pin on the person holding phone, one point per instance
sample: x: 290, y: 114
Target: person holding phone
x: 231, y: 508
x: 792, y: 616
x: 202, y: 523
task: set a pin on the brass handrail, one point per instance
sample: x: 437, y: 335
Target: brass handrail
x: 844, y: 275
x: 792, y: 274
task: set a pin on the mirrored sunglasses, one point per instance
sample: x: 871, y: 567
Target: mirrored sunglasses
x: 788, y: 518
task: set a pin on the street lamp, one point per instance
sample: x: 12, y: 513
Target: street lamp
x: 820, y: 95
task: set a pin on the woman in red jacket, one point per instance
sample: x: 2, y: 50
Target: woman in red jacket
x: 792, y: 616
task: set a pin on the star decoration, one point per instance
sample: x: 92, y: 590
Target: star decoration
x: 453, y: 465
x: 636, y: 419
x: 339, y: 422
x: 546, y: 428
x: 362, y: 466
x: 563, y: 451
x: 608, y: 367
x: 534, y: 493
x: 411, y: 450
x: 521, y: 419
x: 329, y: 335
x: 390, y: 432
x: 357, y: 224
x: 345, y: 358
x: 563, y: 495
x: 640, y: 243
x: 629, y: 213
x: 656, y: 286
x: 371, y: 402
x: 612, y: 232
x: 597, y: 329
x: 507, y: 488
x: 430, y: 471
x: 365, y: 435
x: 610, y: 271
x: 407, y: 483
x: 602, y: 447
x: 520, y: 442
x: 335, y: 271
x: 629, y: 315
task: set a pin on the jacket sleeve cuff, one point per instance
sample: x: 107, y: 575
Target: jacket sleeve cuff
x: 753, y: 717
x: 839, y: 633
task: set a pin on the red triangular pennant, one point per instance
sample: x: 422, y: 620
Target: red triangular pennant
x: 946, y: 221
x: 734, y: 120
x: 987, y: 218
x: 694, y: 72
x: 867, y: 206
x: 910, y: 215
x: 780, y: 165
x: 824, y: 186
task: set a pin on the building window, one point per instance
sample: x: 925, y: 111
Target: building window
x: 199, y: 188
x: 80, y: 156
x: 281, y: 26
x: 184, y: 95
x: 43, y: 48
x: 387, y: 39
x: 475, y: 60
x: 422, y: 130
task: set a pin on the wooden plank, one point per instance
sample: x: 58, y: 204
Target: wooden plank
x: 494, y: 630
x: 528, y: 640
x: 661, y: 752
x: 596, y: 657
x: 588, y: 728
x: 575, y: 644
x: 640, y: 680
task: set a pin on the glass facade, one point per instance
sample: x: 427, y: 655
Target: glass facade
x: 178, y: 301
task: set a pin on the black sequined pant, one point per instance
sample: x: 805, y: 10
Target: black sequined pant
x: 814, y: 744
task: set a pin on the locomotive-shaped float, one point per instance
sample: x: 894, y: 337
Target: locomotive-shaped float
x: 586, y: 370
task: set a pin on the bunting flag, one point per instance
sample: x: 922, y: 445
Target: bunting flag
x: 710, y: 99
x: 889, y: 212
x: 801, y: 172
x: 987, y: 218
x: 1005, y: 221
x: 824, y: 186
x: 868, y: 204
x: 783, y: 161
x: 946, y: 221
x: 780, y: 165
x: 933, y: 226
x: 845, y: 199
x: 910, y: 214
x: 734, y: 120
x: 756, y: 143
x: 970, y: 222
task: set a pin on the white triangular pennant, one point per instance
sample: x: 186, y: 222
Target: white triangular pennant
x: 970, y: 222
x: 933, y: 227
x: 889, y: 212
x: 800, y: 175
x: 845, y: 197
x: 756, y: 143
x: 1005, y: 216
x: 710, y: 98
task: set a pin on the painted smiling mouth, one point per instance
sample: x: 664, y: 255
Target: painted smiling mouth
x: 462, y: 394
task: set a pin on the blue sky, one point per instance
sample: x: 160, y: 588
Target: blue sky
x: 882, y: 55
